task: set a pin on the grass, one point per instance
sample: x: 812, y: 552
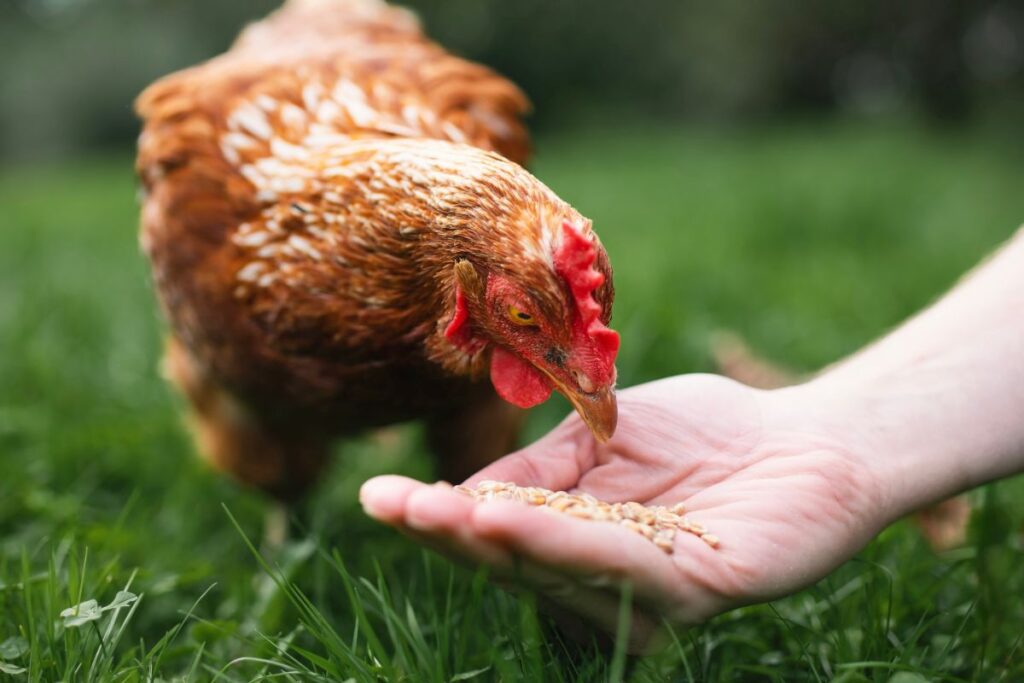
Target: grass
x: 808, y: 240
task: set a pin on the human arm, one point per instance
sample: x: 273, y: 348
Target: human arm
x: 793, y: 481
x: 937, y: 406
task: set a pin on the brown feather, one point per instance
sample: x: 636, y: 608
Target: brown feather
x: 308, y: 194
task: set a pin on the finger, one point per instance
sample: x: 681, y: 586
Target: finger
x: 602, y: 553
x: 384, y: 497
x: 556, y: 461
x: 432, y: 514
x: 440, y: 519
x: 582, y: 611
x: 443, y: 516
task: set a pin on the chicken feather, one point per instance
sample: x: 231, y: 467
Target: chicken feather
x: 307, y: 195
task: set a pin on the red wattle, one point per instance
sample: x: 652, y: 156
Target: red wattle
x: 517, y: 381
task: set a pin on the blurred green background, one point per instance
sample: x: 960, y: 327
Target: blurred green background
x: 806, y: 174
x: 70, y: 68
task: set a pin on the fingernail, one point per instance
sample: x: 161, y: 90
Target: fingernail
x: 369, y: 497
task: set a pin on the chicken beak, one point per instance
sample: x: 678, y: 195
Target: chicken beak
x: 599, y: 410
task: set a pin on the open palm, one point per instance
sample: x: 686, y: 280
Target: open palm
x: 787, y: 502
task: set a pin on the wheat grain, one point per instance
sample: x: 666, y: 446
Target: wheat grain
x: 657, y: 523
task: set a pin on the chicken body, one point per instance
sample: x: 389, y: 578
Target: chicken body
x: 339, y: 229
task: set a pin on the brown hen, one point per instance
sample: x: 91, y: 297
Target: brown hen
x: 342, y: 237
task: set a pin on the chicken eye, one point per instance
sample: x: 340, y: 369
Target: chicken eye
x: 522, y: 318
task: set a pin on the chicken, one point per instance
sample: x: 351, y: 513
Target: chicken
x: 342, y: 237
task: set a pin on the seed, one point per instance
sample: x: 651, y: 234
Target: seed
x: 632, y: 510
x: 561, y: 504
x: 666, y: 518
x: 633, y: 526
x: 490, y: 486
x: 580, y: 511
x: 665, y: 540
x: 656, y: 523
x: 696, y: 528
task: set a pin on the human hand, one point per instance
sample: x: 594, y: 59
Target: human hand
x: 788, y: 500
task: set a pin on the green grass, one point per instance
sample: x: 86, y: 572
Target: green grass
x: 807, y: 240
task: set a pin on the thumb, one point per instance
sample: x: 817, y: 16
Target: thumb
x: 556, y: 461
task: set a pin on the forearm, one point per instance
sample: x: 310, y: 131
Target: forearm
x: 938, y: 405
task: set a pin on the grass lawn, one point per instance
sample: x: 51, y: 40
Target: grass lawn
x: 809, y: 240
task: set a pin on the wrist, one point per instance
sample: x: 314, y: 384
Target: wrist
x: 936, y: 407
x: 873, y: 424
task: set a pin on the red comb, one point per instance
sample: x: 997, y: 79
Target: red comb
x: 574, y: 261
